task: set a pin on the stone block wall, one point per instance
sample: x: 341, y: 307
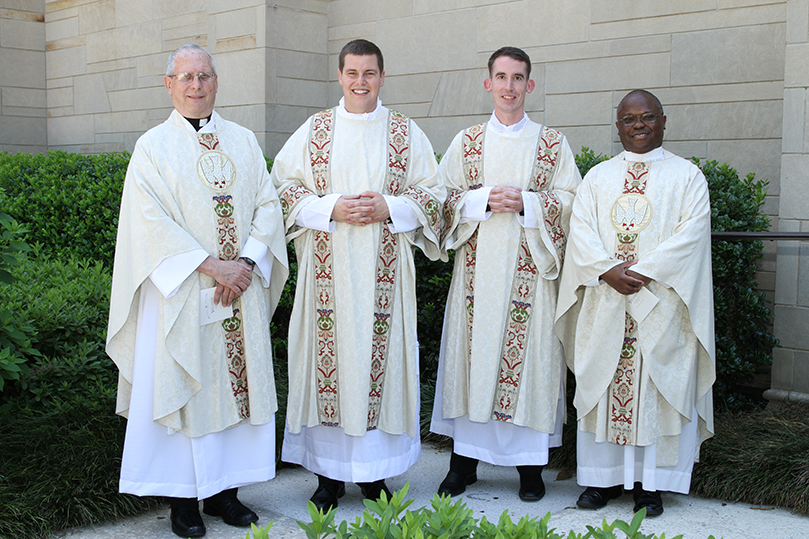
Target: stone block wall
x: 106, y: 60
x: 23, y: 101
x: 790, y: 374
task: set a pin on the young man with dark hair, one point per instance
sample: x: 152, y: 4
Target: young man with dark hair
x: 359, y: 188
x: 510, y: 186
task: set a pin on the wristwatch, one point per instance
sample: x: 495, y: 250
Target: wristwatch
x: 250, y: 262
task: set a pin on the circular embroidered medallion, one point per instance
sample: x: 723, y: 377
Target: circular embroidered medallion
x: 631, y: 213
x: 216, y: 170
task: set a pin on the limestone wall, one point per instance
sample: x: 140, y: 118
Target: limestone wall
x: 106, y: 60
x: 790, y: 374
x: 22, y: 76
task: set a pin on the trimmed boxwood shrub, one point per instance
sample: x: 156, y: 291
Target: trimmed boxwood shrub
x: 68, y: 201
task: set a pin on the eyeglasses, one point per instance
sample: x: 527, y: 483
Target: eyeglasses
x: 647, y: 118
x: 188, y: 77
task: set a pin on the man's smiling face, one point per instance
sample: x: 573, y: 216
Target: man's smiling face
x: 638, y: 136
x: 509, y: 84
x: 193, y: 99
x: 361, y: 81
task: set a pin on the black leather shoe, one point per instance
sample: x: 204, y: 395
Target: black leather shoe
x: 532, y: 488
x: 597, y: 497
x: 186, y: 520
x: 462, y: 472
x: 373, y: 491
x: 226, y: 505
x: 651, y: 501
x: 455, y: 483
x: 328, y: 490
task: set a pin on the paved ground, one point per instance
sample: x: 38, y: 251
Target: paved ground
x: 283, y: 501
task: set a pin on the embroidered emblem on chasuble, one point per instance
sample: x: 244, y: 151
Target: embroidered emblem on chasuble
x: 523, y: 288
x: 398, y: 144
x: 218, y: 173
x: 631, y: 213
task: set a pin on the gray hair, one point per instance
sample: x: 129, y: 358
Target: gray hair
x: 188, y: 47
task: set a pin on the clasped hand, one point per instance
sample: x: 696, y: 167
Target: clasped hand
x: 232, y: 278
x: 360, y: 210
x: 505, y: 199
x: 624, y: 280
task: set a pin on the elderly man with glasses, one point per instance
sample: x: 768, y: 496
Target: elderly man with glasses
x: 200, y: 263
x: 635, y: 314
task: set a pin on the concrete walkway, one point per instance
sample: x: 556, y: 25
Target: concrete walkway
x: 283, y: 501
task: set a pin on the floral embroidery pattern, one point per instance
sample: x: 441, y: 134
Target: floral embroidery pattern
x: 218, y: 172
x: 523, y: 285
x: 622, y: 427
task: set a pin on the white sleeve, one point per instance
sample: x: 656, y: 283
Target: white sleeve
x: 170, y: 274
x: 316, y: 213
x: 474, y: 205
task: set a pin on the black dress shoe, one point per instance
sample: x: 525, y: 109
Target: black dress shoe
x: 373, y: 491
x: 455, y: 483
x: 462, y: 472
x: 597, y: 497
x: 328, y: 490
x: 185, y: 518
x: 226, y: 505
x: 651, y: 501
x: 532, y: 488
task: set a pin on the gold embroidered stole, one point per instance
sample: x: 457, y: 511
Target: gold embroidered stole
x: 630, y: 214
x: 218, y: 173
x: 523, y: 288
x: 398, y: 144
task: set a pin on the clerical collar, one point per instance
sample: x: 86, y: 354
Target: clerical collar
x: 655, y: 155
x: 497, y: 126
x: 198, y: 123
x: 362, y: 116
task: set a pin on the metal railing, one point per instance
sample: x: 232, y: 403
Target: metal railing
x: 760, y: 236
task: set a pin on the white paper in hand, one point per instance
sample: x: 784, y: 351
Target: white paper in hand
x: 210, y: 312
x: 640, y: 304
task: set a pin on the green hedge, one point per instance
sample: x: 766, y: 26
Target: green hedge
x: 68, y: 201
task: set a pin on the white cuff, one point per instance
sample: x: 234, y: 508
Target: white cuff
x: 402, y: 217
x: 170, y: 274
x: 474, y: 205
x: 257, y: 251
x: 529, y: 218
x: 316, y: 213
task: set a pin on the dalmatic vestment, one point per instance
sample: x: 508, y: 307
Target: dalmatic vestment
x: 501, y: 366
x: 641, y: 384
x: 353, y: 350
x: 193, y: 389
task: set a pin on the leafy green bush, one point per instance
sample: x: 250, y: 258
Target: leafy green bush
x: 62, y: 443
x: 391, y: 519
x: 69, y: 201
x: 743, y: 339
x: 15, y: 334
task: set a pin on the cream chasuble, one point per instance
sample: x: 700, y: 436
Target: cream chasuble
x: 187, y: 192
x: 639, y: 383
x: 501, y: 362
x: 353, y: 346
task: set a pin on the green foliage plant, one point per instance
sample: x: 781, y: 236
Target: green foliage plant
x: 769, y: 447
x: 744, y: 341
x: 70, y: 202
x: 391, y: 519
x: 15, y: 334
